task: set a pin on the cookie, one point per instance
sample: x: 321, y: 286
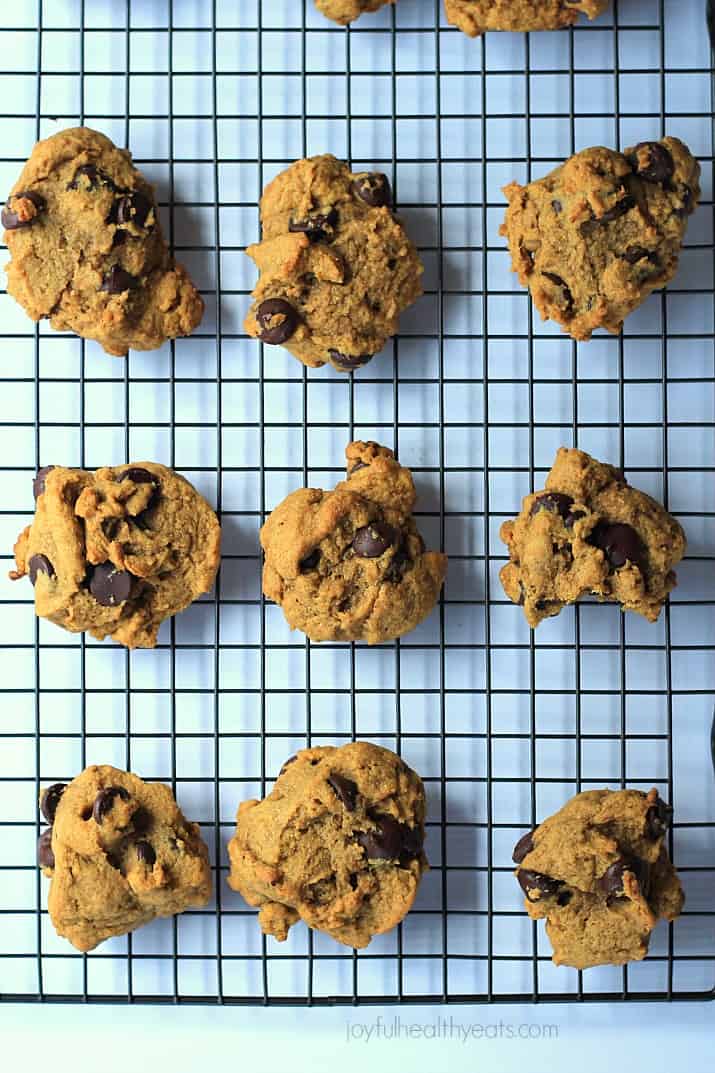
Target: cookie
x: 474, y: 17
x: 598, y: 871
x: 87, y: 250
x: 119, y: 853
x: 336, y: 267
x: 345, y: 11
x: 337, y: 843
x: 349, y: 565
x: 593, y: 238
x: 117, y: 551
x: 589, y: 532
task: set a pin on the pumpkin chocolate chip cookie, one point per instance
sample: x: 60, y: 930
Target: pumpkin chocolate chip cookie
x: 337, y: 843
x: 336, y: 267
x: 83, y: 231
x: 349, y: 564
x: 345, y: 11
x: 599, y: 872
x: 117, y: 551
x: 589, y: 532
x: 474, y: 17
x: 593, y: 238
x: 119, y: 852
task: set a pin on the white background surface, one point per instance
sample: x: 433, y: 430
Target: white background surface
x: 395, y: 400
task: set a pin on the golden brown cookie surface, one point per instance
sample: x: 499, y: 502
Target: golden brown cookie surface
x: 589, y: 532
x: 349, y: 564
x: 345, y: 11
x: 336, y: 266
x: 593, y: 238
x: 598, y: 871
x: 477, y: 16
x: 118, y: 550
x: 337, y: 843
x: 119, y: 852
x: 87, y: 249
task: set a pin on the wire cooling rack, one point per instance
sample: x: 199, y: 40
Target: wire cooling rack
x: 214, y: 98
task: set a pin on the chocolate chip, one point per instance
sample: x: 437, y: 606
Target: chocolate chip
x: 38, y: 484
x: 131, y: 209
x: 277, y: 320
x: 611, y: 882
x: 620, y: 542
x: 523, y: 846
x: 51, y: 799
x: 290, y: 760
x: 146, y: 853
x: 12, y: 220
x: 116, y: 281
x: 553, y: 502
x: 137, y: 474
x: 564, y: 897
x: 310, y: 562
x: 536, y: 881
x: 104, y: 801
x: 94, y: 178
x: 396, y: 569
x: 571, y: 518
x: 373, y: 540
x: 687, y: 198
x: 120, y: 237
x: 634, y: 254
x: 659, y: 167
x: 619, y: 209
x: 358, y: 465
x: 40, y: 564
x: 373, y: 188
x: 391, y: 841
x: 556, y: 205
x: 349, y: 361
x: 45, y: 856
x: 110, y: 586
x: 568, y: 297
x: 658, y: 819
x: 344, y: 789
x: 141, y: 821
x: 315, y: 226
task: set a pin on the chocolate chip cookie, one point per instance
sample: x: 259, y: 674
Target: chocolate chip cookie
x: 593, y: 238
x: 119, y: 852
x: 474, y: 17
x: 83, y: 231
x: 117, y: 551
x: 337, y: 843
x: 349, y: 565
x: 589, y: 532
x: 599, y: 872
x: 344, y: 11
x: 336, y: 267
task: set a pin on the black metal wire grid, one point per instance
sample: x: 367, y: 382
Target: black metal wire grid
x: 504, y: 724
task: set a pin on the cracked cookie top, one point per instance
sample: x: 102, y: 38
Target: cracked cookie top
x: 119, y: 852
x: 477, y: 16
x: 117, y: 551
x: 589, y: 532
x: 337, y: 843
x: 593, y: 238
x: 336, y: 267
x: 83, y: 231
x: 349, y: 564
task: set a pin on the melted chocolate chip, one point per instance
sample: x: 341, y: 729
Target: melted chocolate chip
x: 137, y: 474
x: 277, y: 321
x: 132, y: 208
x: 310, y: 562
x: 523, y: 846
x: 94, y: 178
x: 568, y: 297
x: 146, y: 853
x: 659, y: 167
x: 117, y: 280
x: 544, y: 886
x: 345, y: 362
x: 611, y: 882
x: 38, y: 484
x: 315, y: 227
x: 12, y: 220
x: 141, y: 821
x: 40, y: 564
x: 572, y: 517
x: 620, y: 543
x: 51, y: 799
x: 619, y: 209
x: 553, y: 502
x: 556, y: 205
x: 104, y: 801
x: 397, y: 567
x: 391, y: 841
x: 658, y: 819
x: 344, y: 789
x: 289, y: 761
x: 110, y: 586
x: 45, y: 856
x: 358, y: 465
x: 634, y: 254
x: 373, y: 188
x: 373, y: 540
